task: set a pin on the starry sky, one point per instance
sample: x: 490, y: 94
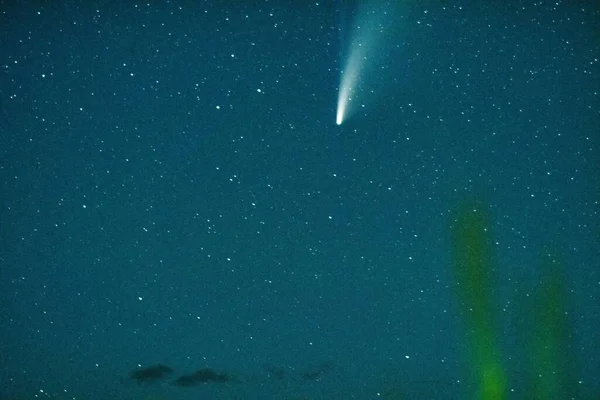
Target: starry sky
x: 174, y: 190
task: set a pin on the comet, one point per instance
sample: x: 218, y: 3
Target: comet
x: 370, y: 35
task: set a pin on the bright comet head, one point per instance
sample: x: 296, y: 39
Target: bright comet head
x: 339, y: 117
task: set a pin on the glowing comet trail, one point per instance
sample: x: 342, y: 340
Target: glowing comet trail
x: 347, y: 84
x: 370, y: 31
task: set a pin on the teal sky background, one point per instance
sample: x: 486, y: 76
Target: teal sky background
x: 174, y: 189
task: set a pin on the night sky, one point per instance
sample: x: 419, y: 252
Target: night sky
x: 174, y: 190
